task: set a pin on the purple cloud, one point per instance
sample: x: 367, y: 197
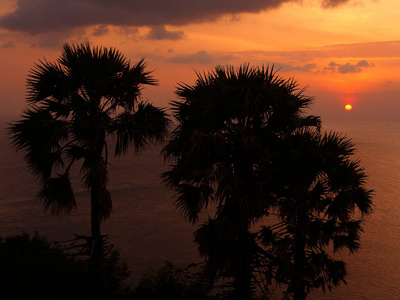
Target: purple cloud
x: 309, y: 67
x: 9, y: 44
x: 41, y: 16
x: 333, y: 3
x: 364, y: 63
x: 349, y: 68
x: 160, y: 33
x: 100, y: 30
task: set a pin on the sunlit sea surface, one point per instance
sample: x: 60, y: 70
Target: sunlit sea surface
x: 149, y: 230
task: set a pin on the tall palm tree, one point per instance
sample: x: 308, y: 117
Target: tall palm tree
x: 74, y: 105
x: 228, y: 125
x: 318, y: 188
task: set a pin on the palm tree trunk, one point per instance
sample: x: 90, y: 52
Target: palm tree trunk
x: 95, y: 220
x: 95, y: 184
x: 298, y: 281
x: 299, y: 292
x: 96, y: 248
x: 242, y: 280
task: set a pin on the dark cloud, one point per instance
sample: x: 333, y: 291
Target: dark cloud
x: 349, y: 68
x: 364, y: 63
x: 37, y: 16
x: 100, y: 30
x: 327, y: 69
x: 40, y: 16
x: 333, y: 64
x: 160, y: 33
x: 331, y: 67
x: 333, y: 3
x: 9, y: 44
x: 129, y: 30
x: 201, y: 57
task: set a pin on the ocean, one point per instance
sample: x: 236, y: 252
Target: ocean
x: 148, y: 229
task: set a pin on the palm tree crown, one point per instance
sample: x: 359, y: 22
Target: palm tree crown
x: 318, y: 190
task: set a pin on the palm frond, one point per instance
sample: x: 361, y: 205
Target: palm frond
x: 57, y: 195
x: 148, y: 124
x: 192, y: 199
x: 47, y: 81
x: 39, y: 135
x: 94, y: 170
x: 349, y: 238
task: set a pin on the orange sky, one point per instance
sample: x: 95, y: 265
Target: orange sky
x: 347, y: 52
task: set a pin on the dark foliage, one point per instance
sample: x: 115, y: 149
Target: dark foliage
x: 30, y: 268
x: 172, y: 282
x: 318, y: 189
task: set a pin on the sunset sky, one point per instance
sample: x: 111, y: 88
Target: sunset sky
x: 345, y: 51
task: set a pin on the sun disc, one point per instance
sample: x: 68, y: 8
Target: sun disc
x: 348, y: 107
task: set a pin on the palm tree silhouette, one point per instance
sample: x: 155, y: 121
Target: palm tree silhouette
x: 228, y: 125
x: 74, y: 105
x: 318, y: 188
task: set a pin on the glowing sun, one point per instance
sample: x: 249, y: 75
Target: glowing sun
x: 348, y: 107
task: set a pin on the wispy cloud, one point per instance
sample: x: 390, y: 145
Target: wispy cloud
x: 201, y: 57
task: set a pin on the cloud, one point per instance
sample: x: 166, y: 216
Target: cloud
x: 310, y: 67
x: 385, y: 49
x: 201, y: 57
x: 364, y: 63
x: 9, y: 44
x: 129, y: 31
x: 38, y: 16
x: 41, y: 16
x: 349, y: 68
x: 160, y: 33
x: 327, y: 69
x: 333, y: 3
x: 100, y: 30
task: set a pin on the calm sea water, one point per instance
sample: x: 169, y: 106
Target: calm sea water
x: 148, y: 229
